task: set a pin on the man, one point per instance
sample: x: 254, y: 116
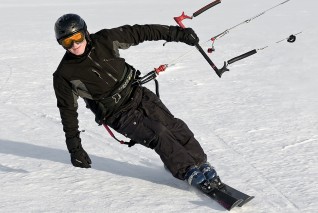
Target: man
x: 92, y: 69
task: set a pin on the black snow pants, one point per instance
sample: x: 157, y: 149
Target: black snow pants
x: 146, y: 120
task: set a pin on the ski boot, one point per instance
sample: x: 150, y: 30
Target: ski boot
x: 194, y: 176
x: 208, y: 171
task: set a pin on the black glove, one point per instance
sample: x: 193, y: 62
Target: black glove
x: 185, y: 35
x: 79, y: 157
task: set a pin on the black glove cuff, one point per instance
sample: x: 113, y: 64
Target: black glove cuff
x: 74, y: 144
x: 173, y: 33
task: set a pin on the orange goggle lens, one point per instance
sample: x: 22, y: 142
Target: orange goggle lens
x: 67, y: 43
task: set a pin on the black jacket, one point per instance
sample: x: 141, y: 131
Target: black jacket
x: 99, y: 71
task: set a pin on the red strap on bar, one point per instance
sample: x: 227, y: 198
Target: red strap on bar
x: 179, y: 19
x: 161, y: 68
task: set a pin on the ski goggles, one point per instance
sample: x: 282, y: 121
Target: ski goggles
x: 68, y: 42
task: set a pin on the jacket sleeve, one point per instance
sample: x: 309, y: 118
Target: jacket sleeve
x: 67, y: 104
x: 126, y: 36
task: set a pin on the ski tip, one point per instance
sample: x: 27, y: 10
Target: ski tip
x: 237, y: 203
x: 246, y: 201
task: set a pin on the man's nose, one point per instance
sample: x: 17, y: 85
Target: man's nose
x: 75, y: 44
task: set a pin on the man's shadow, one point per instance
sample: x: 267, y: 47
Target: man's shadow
x: 153, y: 174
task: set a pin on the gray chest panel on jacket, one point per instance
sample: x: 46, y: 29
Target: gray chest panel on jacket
x: 80, y: 89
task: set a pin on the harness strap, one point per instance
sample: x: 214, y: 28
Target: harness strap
x: 130, y: 144
x: 145, y: 79
x: 138, y: 81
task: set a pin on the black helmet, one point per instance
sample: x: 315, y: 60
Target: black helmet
x: 69, y: 24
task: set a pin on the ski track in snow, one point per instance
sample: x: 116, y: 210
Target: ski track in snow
x: 258, y: 124
x: 298, y: 143
x: 266, y: 182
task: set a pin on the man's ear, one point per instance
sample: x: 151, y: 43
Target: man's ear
x: 87, y: 36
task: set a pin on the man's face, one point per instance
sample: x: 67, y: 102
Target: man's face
x: 78, y: 48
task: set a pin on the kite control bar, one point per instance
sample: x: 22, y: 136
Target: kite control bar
x: 183, y: 16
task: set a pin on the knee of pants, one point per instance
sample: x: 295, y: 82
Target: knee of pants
x: 181, y: 131
x: 160, y: 133
x: 153, y: 143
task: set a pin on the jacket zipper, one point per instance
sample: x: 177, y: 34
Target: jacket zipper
x: 98, y: 65
x: 97, y: 73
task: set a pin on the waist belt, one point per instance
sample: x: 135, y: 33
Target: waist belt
x: 122, y: 92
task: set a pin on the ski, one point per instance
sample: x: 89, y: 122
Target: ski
x: 226, y: 201
x: 237, y: 194
x: 225, y: 195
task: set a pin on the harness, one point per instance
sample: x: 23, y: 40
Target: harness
x: 122, y: 91
x: 129, y: 82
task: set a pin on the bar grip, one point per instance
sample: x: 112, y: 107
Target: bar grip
x: 240, y: 57
x: 205, y: 8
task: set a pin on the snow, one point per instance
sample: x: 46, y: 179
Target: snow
x: 258, y: 124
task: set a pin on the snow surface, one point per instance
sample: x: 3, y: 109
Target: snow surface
x: 258, y: 124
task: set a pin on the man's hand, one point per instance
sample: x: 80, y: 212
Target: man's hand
x: 79, y: 157
x: 185, y: 35
x: 189, y: 37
